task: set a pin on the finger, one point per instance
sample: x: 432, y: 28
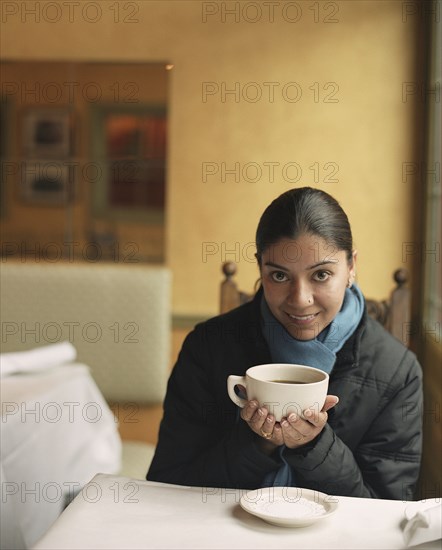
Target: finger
x: 293, y: 437
x: 296, y: 424
x: 316, y: 418
x: 268, y: 424
x: 277, y: 437
x: 249, y: 410
x: 295, y: 421
x: 295, y: 427
x: 259, y: 420
x: 330, y: 402
x: 299, y: 439
x: 256, y: 417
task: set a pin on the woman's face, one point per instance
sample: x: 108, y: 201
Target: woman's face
x: 304, y: 282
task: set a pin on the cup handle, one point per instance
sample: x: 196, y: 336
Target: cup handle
x: 233, y: 381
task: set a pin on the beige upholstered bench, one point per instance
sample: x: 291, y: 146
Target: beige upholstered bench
x: 116, y: 316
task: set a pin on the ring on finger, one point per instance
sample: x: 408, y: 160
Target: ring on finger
x: 266, y: 435
x: 300, y: 438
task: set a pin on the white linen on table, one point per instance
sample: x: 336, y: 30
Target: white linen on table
x: 119, y: 513
x: 41, y: 358
x: 56, y: 432
x: 424, y: 523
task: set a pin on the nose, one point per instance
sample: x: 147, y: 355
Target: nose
x: 300, y: 295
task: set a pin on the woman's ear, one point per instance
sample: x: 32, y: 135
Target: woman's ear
x: 352, y: 266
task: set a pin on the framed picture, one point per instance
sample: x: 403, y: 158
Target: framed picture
x: 130, y: 143
x: 47, y: 182
x: 47, y: 133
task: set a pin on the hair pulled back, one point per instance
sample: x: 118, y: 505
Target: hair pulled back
x: 304, y: 210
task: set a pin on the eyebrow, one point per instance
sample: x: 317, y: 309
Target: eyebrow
x: 313, y: 266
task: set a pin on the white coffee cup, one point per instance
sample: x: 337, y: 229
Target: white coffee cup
x: 281, y: 388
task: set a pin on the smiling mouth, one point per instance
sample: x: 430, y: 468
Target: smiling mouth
x: 302, y: 318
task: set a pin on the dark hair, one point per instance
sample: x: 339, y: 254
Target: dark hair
x: 304, y: 210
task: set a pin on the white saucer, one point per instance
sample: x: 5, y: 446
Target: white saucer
x: 289, y: 506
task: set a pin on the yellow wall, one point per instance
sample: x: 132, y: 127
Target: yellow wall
x: 365, y: 56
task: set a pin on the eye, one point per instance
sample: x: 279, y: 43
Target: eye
x: 279, y: 276
x: 321, y: 275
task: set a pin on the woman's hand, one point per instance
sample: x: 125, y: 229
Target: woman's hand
x: 293, y: 431
x: 297, y: 431
x: 263, y: 424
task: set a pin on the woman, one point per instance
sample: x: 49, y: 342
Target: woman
x: 364, y: 442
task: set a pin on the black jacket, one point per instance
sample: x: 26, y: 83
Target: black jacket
x: 371, y: 446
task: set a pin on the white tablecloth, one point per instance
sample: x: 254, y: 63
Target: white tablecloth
x: 118, y: 513
x: 56, y: 433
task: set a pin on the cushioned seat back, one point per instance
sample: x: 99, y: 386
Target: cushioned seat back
x: 117, y: 317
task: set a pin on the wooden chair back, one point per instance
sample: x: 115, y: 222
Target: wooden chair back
x: 393, y: 313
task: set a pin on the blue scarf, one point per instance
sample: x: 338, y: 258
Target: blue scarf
x: 319, y: 352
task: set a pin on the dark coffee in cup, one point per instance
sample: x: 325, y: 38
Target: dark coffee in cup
x: 289, y: 381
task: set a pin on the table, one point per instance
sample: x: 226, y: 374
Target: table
x: 116, y: 513
x: 56, y: 433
